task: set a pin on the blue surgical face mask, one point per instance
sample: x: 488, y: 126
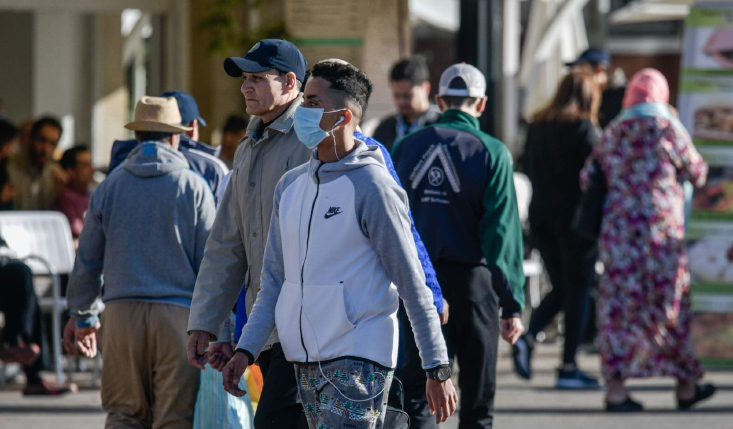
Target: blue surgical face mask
x: 307, y: 125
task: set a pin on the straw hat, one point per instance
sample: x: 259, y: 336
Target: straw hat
x: 156, y: 114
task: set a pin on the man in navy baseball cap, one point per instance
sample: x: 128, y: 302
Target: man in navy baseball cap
x: 189, y: 111
x: 272, y: 74
x: 268, y: 54
x: 593, y: 57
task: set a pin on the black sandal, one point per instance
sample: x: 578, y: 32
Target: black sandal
x: 627, y: 406
x: 702, y: 392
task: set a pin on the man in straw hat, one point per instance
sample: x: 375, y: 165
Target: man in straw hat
x: 144, y: 232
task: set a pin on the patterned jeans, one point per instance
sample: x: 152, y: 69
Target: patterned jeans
x: 349, y: 406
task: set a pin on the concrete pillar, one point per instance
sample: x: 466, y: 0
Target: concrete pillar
x: 111, y: 110
x: 178, y: 40
x: 16, y: 73
x: 511, y: 36
x: 62, y: 74
x: 384, y: 36
x: 596, y: 22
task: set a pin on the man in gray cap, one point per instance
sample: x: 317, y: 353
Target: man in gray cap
x: 273, y: 72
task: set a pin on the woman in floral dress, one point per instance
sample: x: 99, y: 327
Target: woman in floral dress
x: 646, y: 155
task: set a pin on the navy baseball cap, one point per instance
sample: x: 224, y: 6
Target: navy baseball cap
x: 268, y: 54
x: 592, y: 56
x: 187, y: 106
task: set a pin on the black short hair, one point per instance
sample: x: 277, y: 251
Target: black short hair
x: 347, y: 79
x: 152, y: 136
x: 454, y: 102
x: 8, y: 132
x: 68, y: 159
x: 39, y: 124
x: 413, y: 69
x: 235, y: 124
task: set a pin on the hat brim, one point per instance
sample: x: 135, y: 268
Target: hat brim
x: 156, y: 127
x: 201, y: 121
x: 603, y: 63
x: 234, y: 66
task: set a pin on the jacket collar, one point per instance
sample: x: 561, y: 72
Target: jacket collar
x: 283, y: 124
x: 459, y: 117
x: 361, y: 156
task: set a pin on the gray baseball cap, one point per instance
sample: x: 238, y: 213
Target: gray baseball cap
x: 462, y: 80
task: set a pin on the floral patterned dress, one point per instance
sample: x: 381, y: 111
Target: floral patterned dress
x: 646, y: 281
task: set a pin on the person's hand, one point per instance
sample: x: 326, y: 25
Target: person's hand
x: 86, y: 339
x: 219, y: 355
x: 445, y: 314
x: 69, y: 337
x: 196, y: 349
x: 233, y: 372
x: 442, y: 399
x: 511, y: 329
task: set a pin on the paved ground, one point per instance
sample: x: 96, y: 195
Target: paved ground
x: 519, y: 404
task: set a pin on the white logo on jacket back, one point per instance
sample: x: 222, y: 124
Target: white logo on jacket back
x: 435, y: 174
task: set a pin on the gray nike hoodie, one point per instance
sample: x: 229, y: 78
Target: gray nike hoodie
x: 339, y: 256
x: 145, y: 231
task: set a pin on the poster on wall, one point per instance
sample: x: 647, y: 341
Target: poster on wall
x: 325, y: 29
x: 706, y: 109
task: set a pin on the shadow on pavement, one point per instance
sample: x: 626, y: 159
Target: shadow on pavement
x: 48, y: 409
x: 652, y: 411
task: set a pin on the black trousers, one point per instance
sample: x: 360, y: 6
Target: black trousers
x: 472, y: 337
x: 570, y: 262
x: 278, y: 408
x: 23, y: 317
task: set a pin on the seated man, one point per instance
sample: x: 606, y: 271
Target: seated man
x: 73, y: 200
x: 339, y: 256
x: 37, y: 177
x: 24, y: 333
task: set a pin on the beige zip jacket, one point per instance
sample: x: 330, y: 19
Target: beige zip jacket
x: 236, y: 246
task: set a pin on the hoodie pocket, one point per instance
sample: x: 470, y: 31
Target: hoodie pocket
x: 325, y: 321
x: 287, y: 314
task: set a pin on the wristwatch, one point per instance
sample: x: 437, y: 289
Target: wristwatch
x: 440, y: 373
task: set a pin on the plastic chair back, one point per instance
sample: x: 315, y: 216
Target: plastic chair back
x: 43, y: 234
x: 524, y: 194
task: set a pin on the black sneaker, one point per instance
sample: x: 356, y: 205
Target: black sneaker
x: 522, y: 353
x: 627, y: 406
x: 575, y: 380
x: 702, y: 392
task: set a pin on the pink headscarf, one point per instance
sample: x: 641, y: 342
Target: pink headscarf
x: 647, y: 86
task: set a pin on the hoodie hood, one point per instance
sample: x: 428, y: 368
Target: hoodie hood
x: 151, y: 159
x: 362, y: 156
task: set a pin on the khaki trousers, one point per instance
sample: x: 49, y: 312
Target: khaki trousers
x: 146, y: 379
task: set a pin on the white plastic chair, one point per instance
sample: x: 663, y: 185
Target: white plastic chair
x: 42, y: 239
x: 533, y: 267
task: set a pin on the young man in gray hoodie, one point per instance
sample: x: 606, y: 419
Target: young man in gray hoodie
x: 145, y: 232
x: 339, y: 256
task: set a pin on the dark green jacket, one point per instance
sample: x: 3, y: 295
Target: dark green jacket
x: 460, y: 182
